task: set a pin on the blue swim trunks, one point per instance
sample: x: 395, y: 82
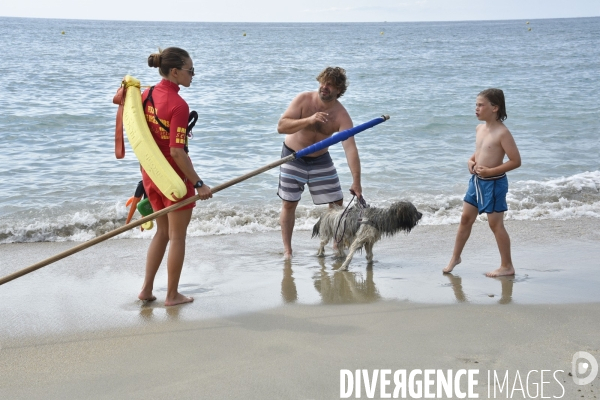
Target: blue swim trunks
x: 488, y: 194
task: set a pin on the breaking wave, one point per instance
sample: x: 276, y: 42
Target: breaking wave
x: 576, y: 196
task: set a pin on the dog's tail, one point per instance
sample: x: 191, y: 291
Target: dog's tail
x: 316, y: 229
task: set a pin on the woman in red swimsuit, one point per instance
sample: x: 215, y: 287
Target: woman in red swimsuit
x: 167, y: 115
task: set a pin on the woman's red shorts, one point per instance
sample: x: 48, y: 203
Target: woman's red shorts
x: 159, y: 200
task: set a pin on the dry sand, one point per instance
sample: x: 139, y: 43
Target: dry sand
x: 297, y: 352
x: 261, y: 328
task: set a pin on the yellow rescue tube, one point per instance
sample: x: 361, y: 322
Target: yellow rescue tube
x: 145, y: 148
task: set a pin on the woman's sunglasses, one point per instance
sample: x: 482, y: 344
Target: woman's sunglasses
x: 191, y: 70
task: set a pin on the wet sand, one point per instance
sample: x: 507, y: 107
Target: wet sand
x: 264, y: 328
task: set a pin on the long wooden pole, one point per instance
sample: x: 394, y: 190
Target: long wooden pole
x: 327, y: 142
x: 139, y: 222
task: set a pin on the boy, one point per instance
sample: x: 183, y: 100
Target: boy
x: 488, y: 185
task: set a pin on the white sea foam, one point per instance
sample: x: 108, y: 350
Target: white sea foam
x: 566, y: 197
x: 576, y: 196
x: 560, y: 198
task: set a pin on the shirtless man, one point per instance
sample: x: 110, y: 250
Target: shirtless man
x: 488, y: 185
x: 310, y: 118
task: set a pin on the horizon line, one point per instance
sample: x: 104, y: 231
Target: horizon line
x: 296, y: 22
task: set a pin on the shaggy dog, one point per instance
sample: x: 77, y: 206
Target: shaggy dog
x: 363, y: 227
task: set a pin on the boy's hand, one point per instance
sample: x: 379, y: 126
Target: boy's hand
x: 471, y: 166
x: 484, y: 172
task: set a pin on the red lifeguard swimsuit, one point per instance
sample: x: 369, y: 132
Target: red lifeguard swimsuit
x: 173, y: 112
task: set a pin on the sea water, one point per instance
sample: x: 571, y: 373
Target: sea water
x: 60, y: 179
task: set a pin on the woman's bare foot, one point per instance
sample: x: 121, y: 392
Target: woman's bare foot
x: 178, y: 299
x: 502, y: 271
x: 453, y: 263
x: 287, y: 255
x: 146, y: 296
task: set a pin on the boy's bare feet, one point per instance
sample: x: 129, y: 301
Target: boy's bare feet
x: 287, y: 255
x: 453, y: 263
x: 146, y: 296
x: 502, y: 271
x: 178, y: 299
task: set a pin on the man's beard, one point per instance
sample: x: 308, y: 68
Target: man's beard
x: 327, y: 97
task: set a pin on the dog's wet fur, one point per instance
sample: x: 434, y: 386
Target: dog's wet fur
x: 376, y: 223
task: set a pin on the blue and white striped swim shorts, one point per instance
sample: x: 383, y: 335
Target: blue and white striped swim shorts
x: 319, y: 172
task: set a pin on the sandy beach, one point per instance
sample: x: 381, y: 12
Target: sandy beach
x: 263, y: 328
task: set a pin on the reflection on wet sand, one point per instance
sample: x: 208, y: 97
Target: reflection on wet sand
x: 288, y: 287
x: 507, y: 288
x: 173, y: 312
x: 147, y: 313
x: 456, y: 283
x: 343, y: 287
x: 506, y: 285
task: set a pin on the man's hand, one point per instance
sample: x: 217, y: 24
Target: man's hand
x: 293, y: 120
x: 356, y: 189
x: 289, y: 125
x: 318, y: 117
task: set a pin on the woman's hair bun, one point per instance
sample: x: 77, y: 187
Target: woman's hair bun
x: 154, y: 60
x: 167, y: 59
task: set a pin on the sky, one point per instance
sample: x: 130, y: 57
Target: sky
x: 300, y: 11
